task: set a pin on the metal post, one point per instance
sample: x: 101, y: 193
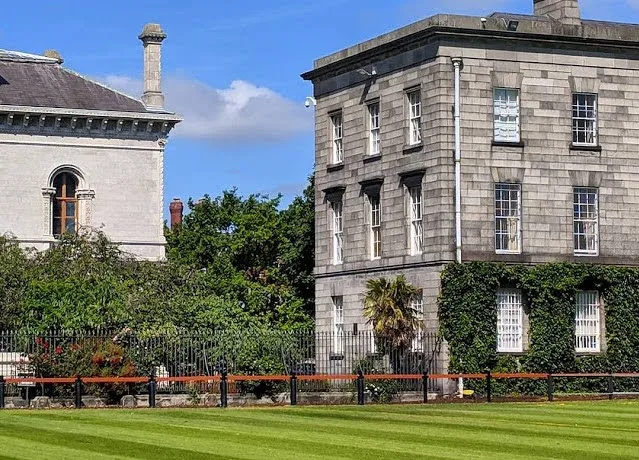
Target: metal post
x: 425, y: 386
x: 293, y: 389
x: 611, y: 386
x: 78, y: 392
x: 1, y: 392
x: 152, y: 390
x: 224, y: 390
x: 360, y: 388
x: 551, y: 387
x: 489, y: 378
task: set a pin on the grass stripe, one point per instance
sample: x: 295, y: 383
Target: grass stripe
x: 580, y: 430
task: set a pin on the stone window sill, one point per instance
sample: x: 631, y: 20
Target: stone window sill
x: 585, y: 148
x: 372, y: 158
x: 335, y: 167
x: 519, y: 144
x: 408, y: 149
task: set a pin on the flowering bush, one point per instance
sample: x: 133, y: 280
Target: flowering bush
x: 88, y: 358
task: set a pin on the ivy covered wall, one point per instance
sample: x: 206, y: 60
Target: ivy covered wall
x: 468, y: 320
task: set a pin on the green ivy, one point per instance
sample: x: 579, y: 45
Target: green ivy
x: 468, y: 321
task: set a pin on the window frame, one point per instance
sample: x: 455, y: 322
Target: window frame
x: 337, y: 232
x: 63, y: 200
x: 414, y: 101
x: 594, y: 119
x: 502, y: 326
x: 374, y: 128
x: 339, y: 336
x: 337, y: 138
x: 375, y: 226
x: 594, y: 221
x: 417, y: 304
x: 415, y: 219
x: 590, y: 300
x: 499, y: 117
x: 508, y: 187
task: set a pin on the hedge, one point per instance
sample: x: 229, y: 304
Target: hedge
x: 468, y: 321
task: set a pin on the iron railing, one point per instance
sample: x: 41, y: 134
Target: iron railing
x: 211, y: 353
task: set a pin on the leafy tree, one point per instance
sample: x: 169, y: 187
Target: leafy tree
x: 298, y: 247
x: 253, y: 253
x: 387, y: 305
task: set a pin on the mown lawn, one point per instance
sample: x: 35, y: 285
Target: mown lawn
x: 597, y: 430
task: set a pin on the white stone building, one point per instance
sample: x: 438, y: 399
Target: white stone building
x: 76, y: 154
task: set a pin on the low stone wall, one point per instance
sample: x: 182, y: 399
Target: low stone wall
x: 210, y: 400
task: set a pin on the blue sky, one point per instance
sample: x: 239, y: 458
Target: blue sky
x: 232, y: 70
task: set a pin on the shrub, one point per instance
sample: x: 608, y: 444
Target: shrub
x: 89, y: 357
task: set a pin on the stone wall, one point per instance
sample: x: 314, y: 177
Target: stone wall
x: 126, y: 177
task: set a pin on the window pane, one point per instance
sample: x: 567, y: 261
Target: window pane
x: 508, y: 217
x: 586, y: 220
x: 509, y: 321
x: 587, y: 322
x: 506, y: 114
x: 70, y: 209
x: 70, y: 226
x: 584, y: 118
x: 57, y: 226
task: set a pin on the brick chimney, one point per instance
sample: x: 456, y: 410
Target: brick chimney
x: 152, y: 36
x: 564, y: 11
x: 175, y: 208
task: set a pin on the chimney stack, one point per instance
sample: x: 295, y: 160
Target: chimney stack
x: 152, y: 36
x: 53, y: 54
x: 175, y: 208
x: 564, y: 11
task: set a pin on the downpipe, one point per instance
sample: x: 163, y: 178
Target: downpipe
x: 458, y: 65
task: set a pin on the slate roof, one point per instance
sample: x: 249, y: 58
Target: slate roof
x: 38, y: 81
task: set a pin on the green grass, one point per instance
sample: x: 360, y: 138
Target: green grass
x: 574, y: 430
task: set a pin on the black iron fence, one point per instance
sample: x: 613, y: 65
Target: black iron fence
x: 125, y: 354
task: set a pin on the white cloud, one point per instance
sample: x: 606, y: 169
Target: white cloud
x: 241, y: 113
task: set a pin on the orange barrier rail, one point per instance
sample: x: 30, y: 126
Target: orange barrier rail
x: 293, y: 379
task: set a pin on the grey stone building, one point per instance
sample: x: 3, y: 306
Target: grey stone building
x: 509, y: 138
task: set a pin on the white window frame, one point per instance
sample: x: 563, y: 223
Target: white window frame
x: 587, y: 322
x: 586, y: 221
x: 506, y: 115
x: 337, y: 231
x: 508, y: 218
x: 414, y: 98
x: 417, y: 304
x: 585, y: 123
x: 375, y: 231
x: 510, y: 321
x: 374, y: 123
x: 416, y: 216
x: 337, y: 138
x: 338, y: 325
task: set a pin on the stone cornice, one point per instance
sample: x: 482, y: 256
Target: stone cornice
x: 350, y: 62
x: 85, y: 123
x: 152, y: 116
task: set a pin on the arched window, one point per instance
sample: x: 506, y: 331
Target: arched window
x: 65, y: 204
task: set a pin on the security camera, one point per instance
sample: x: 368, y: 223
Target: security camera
x: 307, y: 103
x: 310, y: 101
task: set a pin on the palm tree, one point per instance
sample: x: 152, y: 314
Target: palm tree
x: 387, y: 305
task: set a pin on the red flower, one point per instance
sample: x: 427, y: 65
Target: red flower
x: 58, y: 350
x: 38, y: 340
x: 45, y: 345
